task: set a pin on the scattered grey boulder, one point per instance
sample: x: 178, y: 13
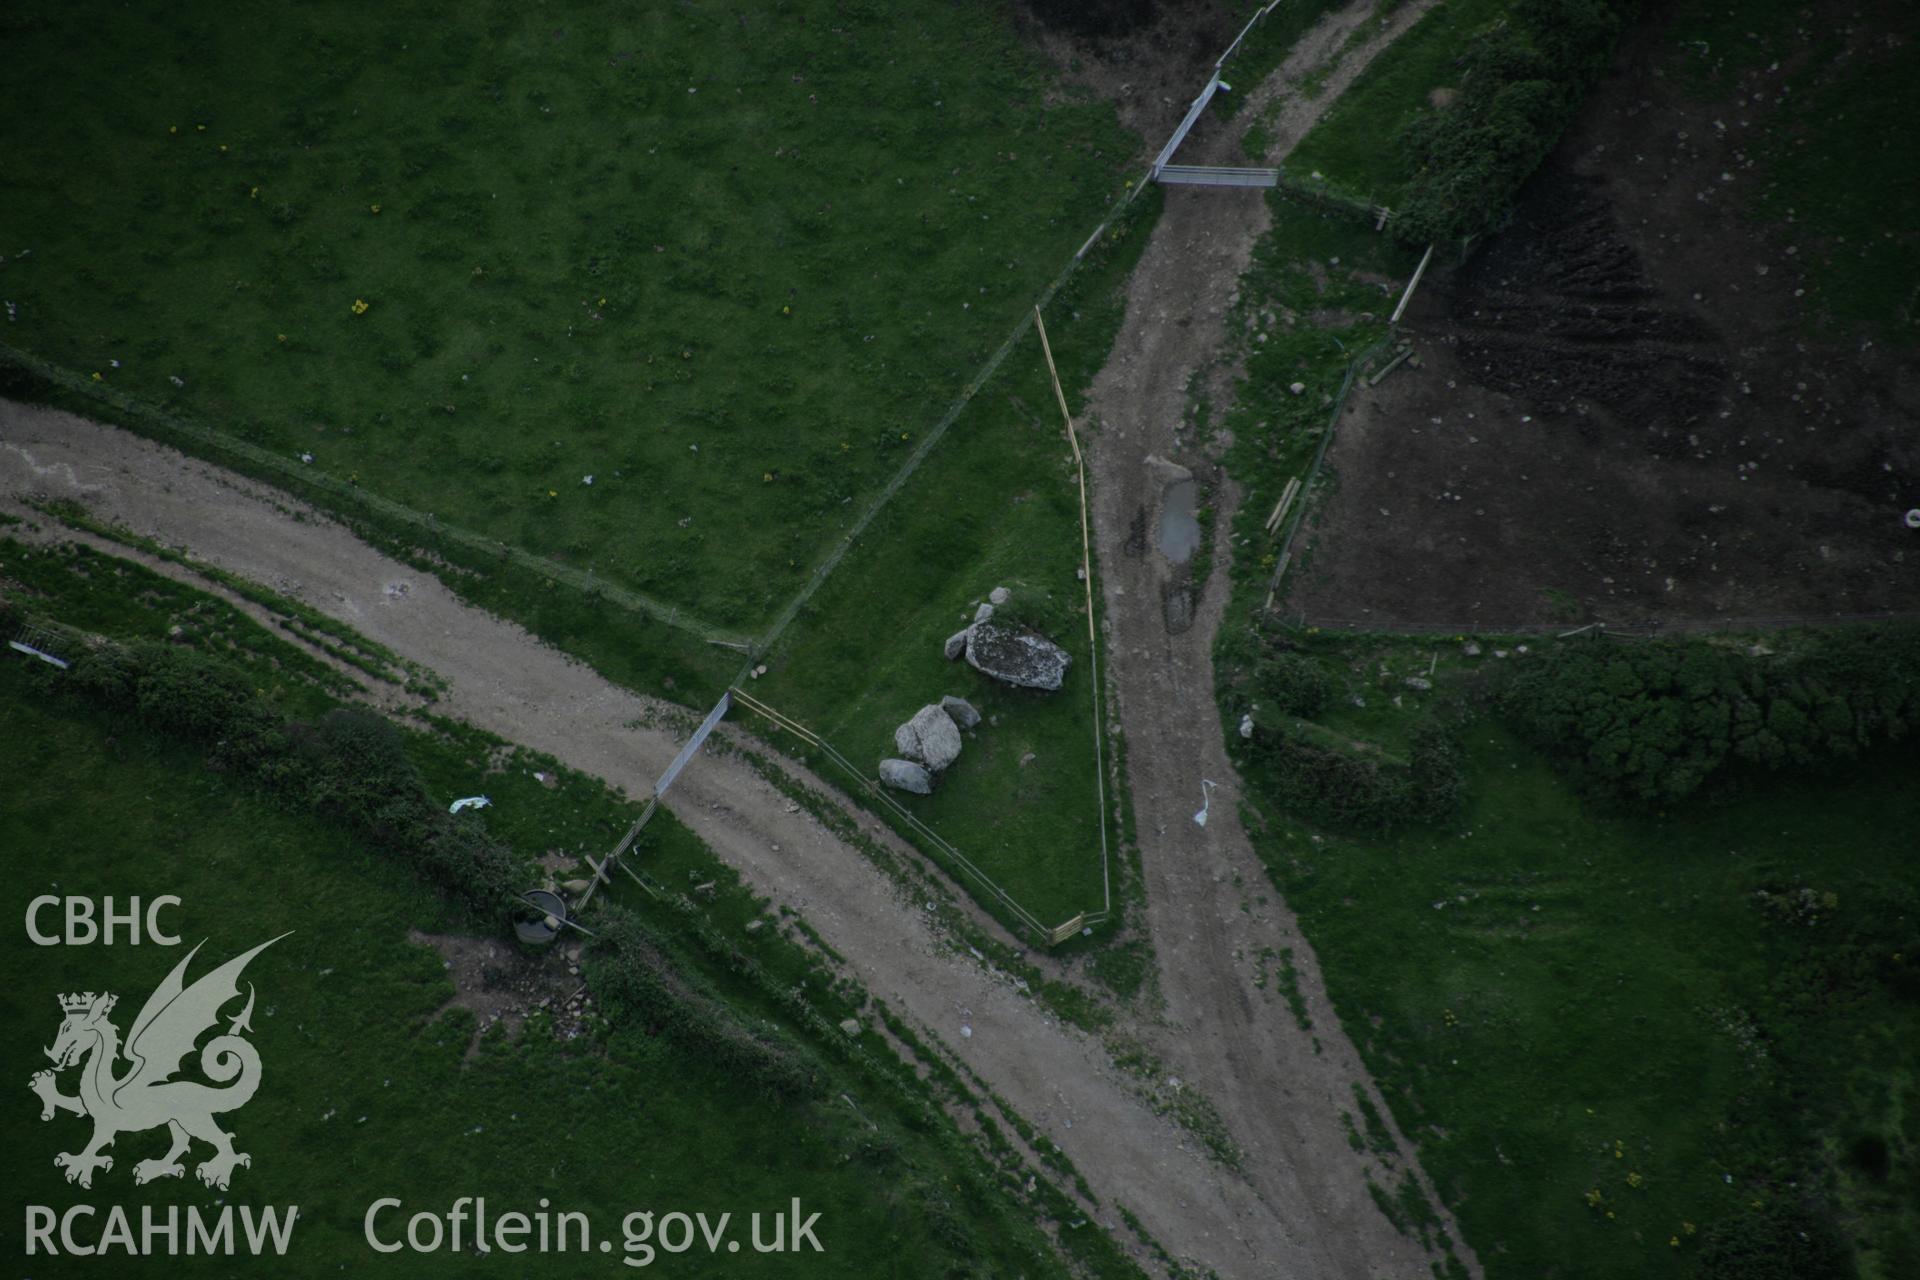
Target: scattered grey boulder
x: 981, y: 614
x: 1471, y: 648
x: 961, y: 711
x: 1297, y: 388
x: 1246, y: 725
x: 956, y: 645
x: 850, y: 1025
x: 930, y: 737
x: 1023, y: 659
x: 999, y: 595
x: 1418, y: 682
x: 905, y: 775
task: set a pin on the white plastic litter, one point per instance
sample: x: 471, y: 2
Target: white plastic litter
x: 470, y: 802
x: 1206, y: 802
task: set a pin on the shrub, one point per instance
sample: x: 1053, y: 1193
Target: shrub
x: 1292, y: 683
x: 1521, y: 82
x: 635, y: 980
x: 350, y: 765
x: 353, y: 765
x: 1655, y: 722
x: 1342, y: 789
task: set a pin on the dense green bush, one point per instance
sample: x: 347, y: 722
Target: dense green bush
x: 349, y: 764
x: 1522, y: 80
x: 638, y: 984
x: 1292, y: 683
x: 1343, y: 789
x: 1656, y: 720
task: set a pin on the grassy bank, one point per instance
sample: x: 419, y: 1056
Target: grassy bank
x: 376, y: 1085
x: 726, y: 264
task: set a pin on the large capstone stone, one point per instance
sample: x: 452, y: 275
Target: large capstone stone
x: 930, y: 737
x: 905, y: 775
x: 1022, y: 658
x: 961, y: 711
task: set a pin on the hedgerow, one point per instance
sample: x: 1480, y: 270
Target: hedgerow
x: 347, y: 764
x: 638, y: 984
x: 1657, y: 721
x: 1522, y: 79
x: 1345, y: 789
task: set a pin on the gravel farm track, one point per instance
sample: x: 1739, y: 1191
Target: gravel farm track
x: 1299, y: 1206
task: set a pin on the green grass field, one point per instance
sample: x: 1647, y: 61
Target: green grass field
x: 738, y: 309
x: 996, y: 506
x: 1562, y: 1002
x: 728, y: 264
x: 1625, y: 1043
x: 371, y: 1090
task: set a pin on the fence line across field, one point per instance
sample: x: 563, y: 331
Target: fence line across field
x: 305, y: 476
x: 874, y: 788
x: 1093, y: 624
x: 680, y: 761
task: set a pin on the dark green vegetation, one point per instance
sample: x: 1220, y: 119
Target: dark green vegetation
x: 1353, y: 148
x: 1520, y: 83
x: 728, y: 264
x: 1626, y: 1043
x: 709, y: 1077
x: 1447, y: 123
x: 1654, y: 722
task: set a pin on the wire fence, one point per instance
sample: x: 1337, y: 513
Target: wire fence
x: 947, y: 850
x: 303, y: 478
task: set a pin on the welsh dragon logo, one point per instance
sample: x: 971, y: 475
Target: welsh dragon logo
x: 145, y: 1096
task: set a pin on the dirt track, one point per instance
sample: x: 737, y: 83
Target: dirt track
x: 1210, y: 908
x: 1303, y: 1209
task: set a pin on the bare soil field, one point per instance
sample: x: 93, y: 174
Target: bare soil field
x: 1622, y: 410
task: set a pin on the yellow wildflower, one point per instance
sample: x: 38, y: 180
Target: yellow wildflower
x: 374, y: 207
x: 360, y: 306
x: 173, y: 128
x: 98, y: 378
x: 254, y: 194
x: 1634, y: 1179
x: 553, y: 493
x: 279, y: 337
x: 1673, y: 1242
x: 1688, y: 1228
